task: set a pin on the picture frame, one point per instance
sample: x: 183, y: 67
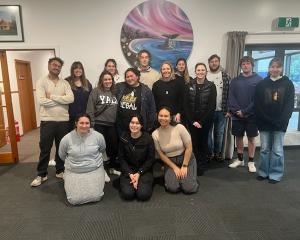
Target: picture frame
x: 11, y: 26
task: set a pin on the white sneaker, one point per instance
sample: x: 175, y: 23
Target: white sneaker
x: 114, y: 171
x: 52, y: 162
x: 38, y: 181
x: 251, y: 167
x: 60, y: 175
x: 236, y: 163
x: 107, y: 178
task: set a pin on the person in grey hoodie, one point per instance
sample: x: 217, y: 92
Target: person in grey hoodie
x: 102, y: 107
x: 241, y: 106
x: 82, y: 151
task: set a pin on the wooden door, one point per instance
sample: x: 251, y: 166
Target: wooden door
x: 27, y: 107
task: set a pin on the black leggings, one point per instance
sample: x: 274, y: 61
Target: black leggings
x: 111, y: 140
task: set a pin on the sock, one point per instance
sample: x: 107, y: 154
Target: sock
x: 240, y: 156
x: 251, y: 159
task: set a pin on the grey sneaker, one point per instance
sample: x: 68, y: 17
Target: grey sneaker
x: 38, y: 181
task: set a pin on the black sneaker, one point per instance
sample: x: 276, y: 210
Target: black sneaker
x: 272, y: 181
x: 260, y: 178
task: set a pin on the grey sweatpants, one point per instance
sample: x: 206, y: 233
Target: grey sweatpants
x: 84, y: 187
x: 189, y: 184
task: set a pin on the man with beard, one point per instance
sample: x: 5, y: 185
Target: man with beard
x: 221, y: 80
x: 148, y: 74
x: 54, y: 95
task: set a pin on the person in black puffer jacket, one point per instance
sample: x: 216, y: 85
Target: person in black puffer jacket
x: 136, y: 155
x: 199, y: 107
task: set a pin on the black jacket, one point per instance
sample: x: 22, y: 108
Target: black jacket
x: 138, y: 157
x: 274, y: 104
x: 200, y: 104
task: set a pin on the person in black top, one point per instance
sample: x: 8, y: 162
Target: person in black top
x: 182, y: 72
x: 81, y: 88
x: 273, y: 104
x: 168, y: 91
x: 199, y: 106
x: 136, y: 155
x: 134, y: 97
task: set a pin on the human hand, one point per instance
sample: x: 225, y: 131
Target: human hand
x: 177, y: 117
x: 228, y: 115
x: 239, y: 113
x: 183, y: 172
x: 177, y: 172
x: 137, y: 177
x: 48, y: 95
x: 197, y: 125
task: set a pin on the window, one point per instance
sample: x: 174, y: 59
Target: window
x: 290, y: 56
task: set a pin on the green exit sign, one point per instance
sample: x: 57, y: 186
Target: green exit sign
x: 288, y: 22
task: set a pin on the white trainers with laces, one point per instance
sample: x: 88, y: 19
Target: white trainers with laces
x: 251, y: 167
x: 106, y: 177
x: 38, y: 181
x: 236, y: 163
x: 60, y: 175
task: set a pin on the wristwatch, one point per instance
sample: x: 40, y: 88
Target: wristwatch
x: 184, y: 165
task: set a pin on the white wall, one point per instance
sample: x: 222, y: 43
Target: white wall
x: 38, y: 62
x: 89, y: 31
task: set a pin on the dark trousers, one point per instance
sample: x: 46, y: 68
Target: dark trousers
x: 144, y: 188
x: 51, y: 131
x: 111, y: 140
x: 200, y: 146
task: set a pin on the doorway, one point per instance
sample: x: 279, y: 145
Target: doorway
x: 27, y: 106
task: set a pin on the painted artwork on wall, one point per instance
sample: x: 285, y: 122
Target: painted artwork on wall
x: 11, y: 29
x: 160, y: 27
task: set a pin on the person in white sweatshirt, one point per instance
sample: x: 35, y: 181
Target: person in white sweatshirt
x: 54, y: 96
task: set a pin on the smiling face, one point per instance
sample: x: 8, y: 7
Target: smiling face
x: 77, y: 72
x: 107, y: 81
x: 83, y: 125
x: 275, y: 70
x: 166, y: 71
x: 200, y: 72
x: 135, y: 126
x: 164, y: 117
x: 181, y: 66
x: 111, y: 67
x: 54, y: 68
x: 132, y: 79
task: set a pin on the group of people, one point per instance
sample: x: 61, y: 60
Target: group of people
x: 168, y: 116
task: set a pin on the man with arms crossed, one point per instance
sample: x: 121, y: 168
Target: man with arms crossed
x: 54, y: 96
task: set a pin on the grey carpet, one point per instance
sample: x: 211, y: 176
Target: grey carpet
x: 231, y: 204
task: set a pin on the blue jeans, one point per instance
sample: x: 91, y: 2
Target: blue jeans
x: 271, y: 155
x: 216, y: 132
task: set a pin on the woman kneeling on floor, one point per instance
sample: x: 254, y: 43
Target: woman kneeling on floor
x: 136, y: 156
x: 82, y: 151
x: 174, y: 146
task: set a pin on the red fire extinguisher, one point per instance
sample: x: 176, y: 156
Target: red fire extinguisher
x: 18, y: 137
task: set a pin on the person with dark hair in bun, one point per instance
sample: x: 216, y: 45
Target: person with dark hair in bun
x: 174, y: 146
x: 134, y: 97
x: 136, y: 154
x: 82, y: 151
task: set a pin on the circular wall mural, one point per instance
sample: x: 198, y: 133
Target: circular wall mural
x: 160, y: 27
